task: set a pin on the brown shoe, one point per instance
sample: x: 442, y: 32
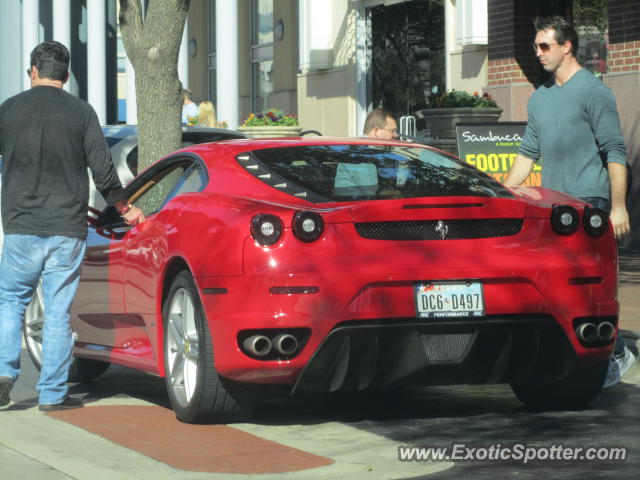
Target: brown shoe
x: 6, y: 384
x: 69, y: 403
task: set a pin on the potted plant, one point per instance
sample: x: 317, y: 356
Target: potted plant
x: 270, y: 123
x: 457, y: 106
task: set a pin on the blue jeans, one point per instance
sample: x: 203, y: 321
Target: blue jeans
x: 25, y: 258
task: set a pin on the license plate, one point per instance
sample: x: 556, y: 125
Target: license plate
x: 449, y: 299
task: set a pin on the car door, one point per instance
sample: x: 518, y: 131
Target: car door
x: 147, y: 245
x: 100, y: 315
x: 99, y: 302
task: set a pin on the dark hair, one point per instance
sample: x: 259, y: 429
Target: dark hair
x: 185, y: 93
x: 51, y: 58
x: 564, y: 30
x: 377, y: 118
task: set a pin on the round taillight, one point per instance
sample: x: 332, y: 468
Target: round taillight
x: 307, y: 226
x: 564, y: 219
x: 266, y: 229
x: 596, y: 221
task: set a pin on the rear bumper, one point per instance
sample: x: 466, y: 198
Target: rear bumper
x: 499, y: 349
x: 366, y: 335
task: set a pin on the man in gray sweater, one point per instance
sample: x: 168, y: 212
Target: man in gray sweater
x: 573, y: 125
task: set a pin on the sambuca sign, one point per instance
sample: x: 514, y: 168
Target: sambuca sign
x: 493, y: 147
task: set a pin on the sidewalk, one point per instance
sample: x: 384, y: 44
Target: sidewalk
x: 64, y: 446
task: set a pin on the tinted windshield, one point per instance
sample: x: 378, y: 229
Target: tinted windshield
x: 324, y: 173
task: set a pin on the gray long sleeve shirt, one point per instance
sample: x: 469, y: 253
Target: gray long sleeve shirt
x: 48, y: 138
x: 575, y: 128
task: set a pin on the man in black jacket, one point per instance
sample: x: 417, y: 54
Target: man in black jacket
x: 48, y: 138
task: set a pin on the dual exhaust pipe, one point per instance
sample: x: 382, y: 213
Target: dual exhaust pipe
x: 590, y: 333
x: 260, y: 345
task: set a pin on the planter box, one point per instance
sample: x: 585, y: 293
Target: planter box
x: 270, y: 132
x: 441, y: 122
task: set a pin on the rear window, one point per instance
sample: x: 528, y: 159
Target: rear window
x: 335, y: 173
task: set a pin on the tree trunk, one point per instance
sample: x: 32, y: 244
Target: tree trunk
x: 153, y: 45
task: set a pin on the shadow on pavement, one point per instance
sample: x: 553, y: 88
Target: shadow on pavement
x: 629, y: 269
x: 121, y: 382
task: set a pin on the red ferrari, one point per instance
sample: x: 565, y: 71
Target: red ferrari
x: 343, y: 264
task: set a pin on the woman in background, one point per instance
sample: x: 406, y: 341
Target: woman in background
x: 207, y: 115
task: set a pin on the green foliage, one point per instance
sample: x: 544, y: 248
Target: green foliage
x: 591, y: 13
x: 270, y: 117
x: 458, y: 98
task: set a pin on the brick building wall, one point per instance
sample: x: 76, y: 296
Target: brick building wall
x: 504, y: 71
x: 624, y: 20
x: 623, y: 57
x: 508, y: 61
x: 511, y: 33
x: 624, y: 36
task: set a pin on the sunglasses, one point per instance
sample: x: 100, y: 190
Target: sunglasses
x: 544, y: 46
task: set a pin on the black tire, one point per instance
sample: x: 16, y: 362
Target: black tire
x: 574, y: 391
x: 80, y: 370
x: 196, y: 391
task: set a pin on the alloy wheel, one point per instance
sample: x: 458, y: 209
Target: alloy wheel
x: 182, y: 347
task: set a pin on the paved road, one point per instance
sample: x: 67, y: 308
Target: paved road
x: 128, y: 432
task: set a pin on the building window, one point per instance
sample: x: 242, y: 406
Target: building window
x: 471, y: 22
x: 591, y: 21
x: 122, y: 55
x: 406, y: 44
x: 261, y: 53
x: 121, y: 88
